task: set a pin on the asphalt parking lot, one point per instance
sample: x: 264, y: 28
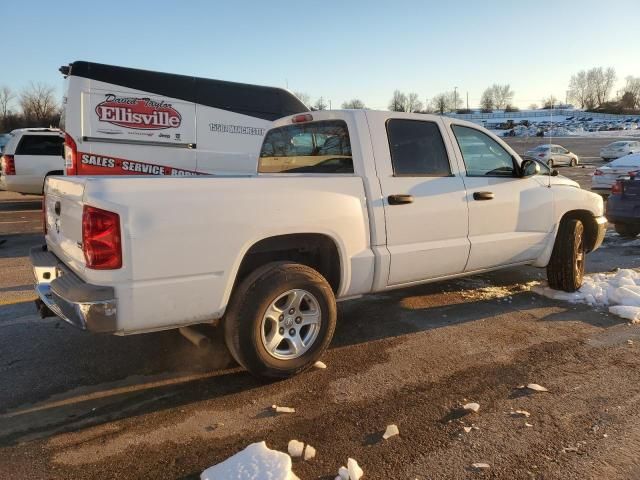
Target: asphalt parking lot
x: 76, y: 405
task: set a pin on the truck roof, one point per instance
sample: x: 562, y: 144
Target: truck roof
x: 257, y: 101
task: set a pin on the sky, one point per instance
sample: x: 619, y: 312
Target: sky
x: 335, y: 49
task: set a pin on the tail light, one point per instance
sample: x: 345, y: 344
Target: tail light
x: 541, y: 155
x: 617, y: 188
x: 598, y: 173
x: 70, y: 155
x: 8, y: 164
x: 101, y: 243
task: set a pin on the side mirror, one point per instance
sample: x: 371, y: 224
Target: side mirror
x: 529, y: 168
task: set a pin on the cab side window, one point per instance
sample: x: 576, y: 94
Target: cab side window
x: 417, y: 149
x: 482, y: 155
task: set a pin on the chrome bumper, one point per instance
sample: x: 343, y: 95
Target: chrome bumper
x: 86, y: 306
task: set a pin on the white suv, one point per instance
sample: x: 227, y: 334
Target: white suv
x: 30, y: 155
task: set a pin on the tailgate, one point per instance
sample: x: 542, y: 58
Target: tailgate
x: 63, y: 218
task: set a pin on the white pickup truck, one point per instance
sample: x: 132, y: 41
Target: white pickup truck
x: 344, y: 203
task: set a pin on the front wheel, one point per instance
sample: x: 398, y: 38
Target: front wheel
x: 573, y: 162
x: 280, y: 320
x: 566, y: 267
x: 550, y: 163
x: 626, y: 230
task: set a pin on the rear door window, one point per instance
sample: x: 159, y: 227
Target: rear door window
x: 417, y: 149
x: 315, y: 147
x: 40, y: 145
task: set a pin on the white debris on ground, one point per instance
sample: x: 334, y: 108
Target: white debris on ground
x: 537, y: 388
x: 343, y: 473
x: 471, y: 407
x: 320, y: 365
x: 355, y: 472
x: 391, y: 431
x: 295, y: 448
x: 309, y: 452
x: 480, y: 466
x: 520, y: 413
x: 256, y: 462
x: 278, y: 409
x: 352, y: 471
x: 620, y: 291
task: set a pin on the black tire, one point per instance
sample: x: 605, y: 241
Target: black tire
x: 626, y: 230
x: 572, y: 162
x: 243, y: 321
x: 565, y: 270
x: 550, y: 163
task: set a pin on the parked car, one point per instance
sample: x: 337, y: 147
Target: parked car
x: 604, y: 177
x: 30, y: 155
x: 270, y: 253
x: 623, y: 206
x: 619, y: 149
x: 553, y: 155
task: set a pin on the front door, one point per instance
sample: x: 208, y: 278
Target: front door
x: 509, y: 217
x: 424, y: 202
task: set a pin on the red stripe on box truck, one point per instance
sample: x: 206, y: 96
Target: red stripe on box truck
x: 94, y: 164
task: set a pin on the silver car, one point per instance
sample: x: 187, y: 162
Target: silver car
x: 619, y: 149
x: 553, y: 155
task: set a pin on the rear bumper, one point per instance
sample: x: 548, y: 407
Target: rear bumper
x: 83, y: 305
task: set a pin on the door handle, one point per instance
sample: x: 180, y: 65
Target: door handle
x: 483, y: 195
x: 400, y: 199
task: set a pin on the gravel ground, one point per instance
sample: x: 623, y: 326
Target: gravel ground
x: 75, y: 405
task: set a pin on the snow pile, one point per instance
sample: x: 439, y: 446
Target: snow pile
x: 621, y: 290
x: 256, y: 462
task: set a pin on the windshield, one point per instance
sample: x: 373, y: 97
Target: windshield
x: 318, y: 147
x: 541, y: 148
x: 618, y: 144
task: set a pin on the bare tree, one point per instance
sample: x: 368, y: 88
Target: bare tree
x: 413, y: 103
x: 630, y: 94
x: 502, y: 95
x: 579, y: 91
x: 398, y: 102
x: 549, y: 102
x: 533, y: 106
x: 486, y: 101
x: 320, y: 104
x: 303, y: 97
x: 6, y: 97
x: 440, y: 103
x: 354, y: 103
x: 38, y: 104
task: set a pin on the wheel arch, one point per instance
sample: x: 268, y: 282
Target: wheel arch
x: 590, y: 226
x: 320, y: 251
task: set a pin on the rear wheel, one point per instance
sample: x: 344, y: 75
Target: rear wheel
x: 550, y: 163
x: 566, y: 267
x: 573, y: 162
x: 280, y: 320
x: 627, y: 230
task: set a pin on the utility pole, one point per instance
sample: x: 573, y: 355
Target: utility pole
x: 467, y: 100
x: 329, y: 104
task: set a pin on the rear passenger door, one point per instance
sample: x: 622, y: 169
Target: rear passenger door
x: 424, y: 202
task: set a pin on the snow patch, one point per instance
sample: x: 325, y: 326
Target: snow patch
x: 256, y: 462
x: 621, y: 290
x: 295, y: 448
x: 391, y: 431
